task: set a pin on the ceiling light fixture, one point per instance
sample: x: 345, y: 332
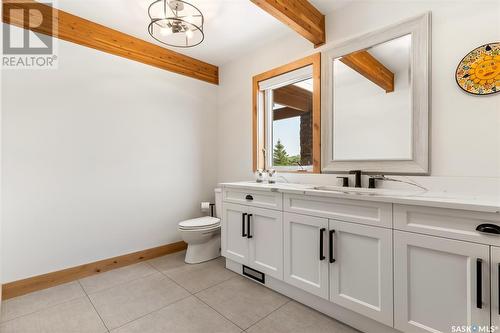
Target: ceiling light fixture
x: 176, y: 23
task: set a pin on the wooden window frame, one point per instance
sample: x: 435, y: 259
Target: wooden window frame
x: 258, y: 136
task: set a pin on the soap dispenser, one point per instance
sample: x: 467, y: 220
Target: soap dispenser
x: 271, y: 176
x: 260, y: 175
x: 345, y: 181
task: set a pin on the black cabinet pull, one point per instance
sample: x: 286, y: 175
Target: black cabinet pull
x: 248, y: 225
x: 479, y: 283
x: 249, y: 197
x: 499, y: 289
x: 321, y: 255
x: 243, y: 234
x: 331, y: 233
x: 489, y: 228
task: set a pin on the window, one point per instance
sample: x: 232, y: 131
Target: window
x: 287, y: 117
x: 289, y: 112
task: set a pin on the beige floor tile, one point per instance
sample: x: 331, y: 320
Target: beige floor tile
x: 115, y: 277
x: 76, y: 316
x: 186, y: 316
x: 170, y: 261
x: 39, y: 300
x: 196, y: 277
x: 242, y: 301
x: 129, y: 301
x: 297, y: 318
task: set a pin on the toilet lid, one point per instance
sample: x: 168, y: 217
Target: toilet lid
x: 201, y: 222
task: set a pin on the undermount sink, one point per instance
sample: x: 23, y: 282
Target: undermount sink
x: 294, y: 186
x: 366, y: 191
x: 339, y: 189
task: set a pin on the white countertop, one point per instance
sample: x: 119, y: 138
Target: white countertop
x: 407, y: 197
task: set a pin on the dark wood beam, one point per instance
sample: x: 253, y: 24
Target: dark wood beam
x: 286, y: 112
x: 87, y: 33
x: 294, y: 97
x: 365, y: 64
x: 300, y: 15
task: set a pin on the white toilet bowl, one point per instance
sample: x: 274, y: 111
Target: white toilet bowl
x: 203, y: 238
x: 202, y: 235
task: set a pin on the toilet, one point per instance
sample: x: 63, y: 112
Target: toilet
x: 202, y: 234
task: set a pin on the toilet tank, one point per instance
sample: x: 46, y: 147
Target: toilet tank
x: 218, y: 202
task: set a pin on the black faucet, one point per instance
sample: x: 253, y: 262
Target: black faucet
x: 357, y: 182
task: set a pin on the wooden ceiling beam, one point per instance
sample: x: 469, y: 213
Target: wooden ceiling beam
x: 300, y: 15
x: 87, y: 33
x: 286, y: 112
x: 293, y: 97
x: 368, y: 66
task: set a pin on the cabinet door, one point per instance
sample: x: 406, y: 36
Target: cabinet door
x: 495, y: 286
x: 361, y: 275
x: 439, y: 283
x: 233, y: 233
x: 303, y: 266
x: 265, y: 229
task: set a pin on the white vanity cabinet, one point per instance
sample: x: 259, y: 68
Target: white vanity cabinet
x: 378, y: 214
x: 253, y: 236
x: 305, y: 253
x: 266, y: 242
x: 495, y: 285
x: 439, y: 283
x: 361, y: 269
x: 347, y: 263
x: 234, y: 241
x: 379, y: 266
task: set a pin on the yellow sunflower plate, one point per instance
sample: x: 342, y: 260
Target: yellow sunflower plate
x: 479, y: 71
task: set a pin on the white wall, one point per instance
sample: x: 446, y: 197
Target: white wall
x: 101, y: 157
x: 465, y: 132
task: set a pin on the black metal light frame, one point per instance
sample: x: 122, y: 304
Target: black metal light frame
x: 175, y: 18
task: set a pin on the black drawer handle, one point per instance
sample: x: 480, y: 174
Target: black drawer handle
x: 332, y: 259
x: 321, y: 254
x: 489, y: 228
x: 249, y: 197
x: 243, y: 215
x: 479, y: 283
x: 248, y: 225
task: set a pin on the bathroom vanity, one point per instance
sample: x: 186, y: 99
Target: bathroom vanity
x: 378, y: 260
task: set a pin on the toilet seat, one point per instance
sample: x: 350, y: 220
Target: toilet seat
x: 205, y: 222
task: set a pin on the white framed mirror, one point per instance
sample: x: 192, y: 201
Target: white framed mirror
x: 375, y: 105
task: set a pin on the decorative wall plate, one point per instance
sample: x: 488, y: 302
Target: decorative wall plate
x: 479, y: 71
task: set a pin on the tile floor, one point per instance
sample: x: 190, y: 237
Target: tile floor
x: 162, y: 295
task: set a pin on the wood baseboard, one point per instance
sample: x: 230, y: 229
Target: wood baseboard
x: 21, y: 287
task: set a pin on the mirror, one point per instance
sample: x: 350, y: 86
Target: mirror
x: 372, y: 99
x: 376, y: 109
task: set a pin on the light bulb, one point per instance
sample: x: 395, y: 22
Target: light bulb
x: 165, y: 31
x: 189, y: 34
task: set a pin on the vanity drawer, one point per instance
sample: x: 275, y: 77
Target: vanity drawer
x: 264, y: 199
x: 443, y: 222
x: 359, y: 211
